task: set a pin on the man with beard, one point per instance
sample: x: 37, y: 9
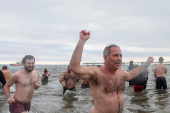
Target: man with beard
x: 107, y: 82
x: 68, y: 80
x: 26, y: 81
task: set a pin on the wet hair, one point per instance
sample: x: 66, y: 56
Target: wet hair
x: 5, y: 67
x: 27, y: 57
x: 45, y: 70
x: 161, y: 59
x: 106, y: 51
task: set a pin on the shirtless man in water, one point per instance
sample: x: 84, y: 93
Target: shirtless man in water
x: 6, y: 73
x: 26, y: 81
x: 107, y: 82
x: 160, y: 70
x: 68, y: 80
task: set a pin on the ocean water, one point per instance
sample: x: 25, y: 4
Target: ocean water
x: 49, y: 98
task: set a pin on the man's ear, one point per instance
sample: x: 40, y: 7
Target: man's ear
x: 105, y: 58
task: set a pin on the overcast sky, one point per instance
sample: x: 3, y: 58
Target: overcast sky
x: 49, y: 29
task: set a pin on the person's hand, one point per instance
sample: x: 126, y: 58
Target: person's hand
x: 49, y: 74
x: 37, y: 84
x: 149, y: 61
x: 63, y: 84
x: 10, y: 100
x: 84, y: 35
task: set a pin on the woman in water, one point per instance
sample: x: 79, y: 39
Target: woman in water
x: 44, y: 77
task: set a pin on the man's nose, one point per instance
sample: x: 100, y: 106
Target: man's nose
x: 119, y: 57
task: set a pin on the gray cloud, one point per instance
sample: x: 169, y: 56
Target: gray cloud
x: 49, y: 29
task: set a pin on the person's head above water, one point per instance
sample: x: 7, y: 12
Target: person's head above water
x: 161, y: 59
x: 45, y: 70
x: 131, y: 62
x: 4, y: 67
x: 28, y: 61
x: 112, y: 57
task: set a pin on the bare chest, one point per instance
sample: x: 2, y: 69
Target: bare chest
x: 112, y: 84
x: 69, y: 76
x: 26, y: 81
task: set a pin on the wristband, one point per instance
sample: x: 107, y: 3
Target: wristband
x: 145, y: 65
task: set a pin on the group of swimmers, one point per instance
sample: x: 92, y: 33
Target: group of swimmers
x: 107, y: 83
x: 140, y: 81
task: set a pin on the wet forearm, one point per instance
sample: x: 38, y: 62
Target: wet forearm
x: 6, y: 91
x: 135, y: 72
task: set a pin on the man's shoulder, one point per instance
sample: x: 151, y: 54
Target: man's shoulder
x: 35, y: 72
x: 18, y: 73
x: 165, y: 66
x: 121, y: 70
x: 96, y: 68
x: 6, y: 71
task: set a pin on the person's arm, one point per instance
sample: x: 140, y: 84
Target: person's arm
x: 166, y: 70
x: 42, y: 77
x: 11, y: 81
x: 135, y: 72
x: 154, y: 71
x: 82, y: 72
x: 37, y: 83
x: 62, y: 81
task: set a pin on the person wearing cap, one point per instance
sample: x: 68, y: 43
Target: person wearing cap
x: 160, y: 70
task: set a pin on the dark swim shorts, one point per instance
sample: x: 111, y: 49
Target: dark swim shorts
x: 161, y: 82
x: 19, y: 107
x: 64, y: 89
x: 85, y: 86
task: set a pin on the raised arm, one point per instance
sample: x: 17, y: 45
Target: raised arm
x: 82, y: 72
x: 135, y: 72
x: 7, y: 86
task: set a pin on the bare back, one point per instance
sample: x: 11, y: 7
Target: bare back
x: 69, y: 79
x: 160, y: 70
x: 6, y: 74
x: 107, y: 91
x: 25, y: 85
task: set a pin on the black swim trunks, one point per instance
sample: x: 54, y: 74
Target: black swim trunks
x: 85, y: 86
x: 64, y: 89
x: 161, y: 82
